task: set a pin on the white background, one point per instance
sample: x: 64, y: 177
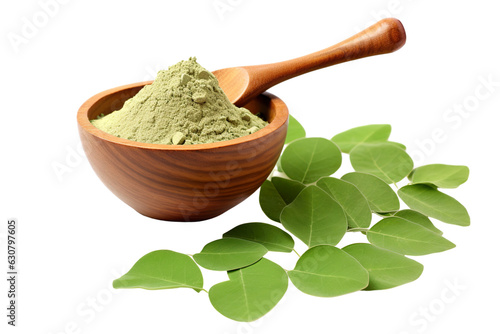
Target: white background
x: 76, y: 236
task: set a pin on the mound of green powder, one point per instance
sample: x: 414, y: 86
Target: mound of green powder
x: 184, y: 105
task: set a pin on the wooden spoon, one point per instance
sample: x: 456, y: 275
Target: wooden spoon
x: 241, y: 84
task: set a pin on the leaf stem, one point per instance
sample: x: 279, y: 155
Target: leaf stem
x: 204, y: 290
x: 295, y: 252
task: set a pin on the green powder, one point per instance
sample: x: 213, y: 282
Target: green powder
x: 184, y: 105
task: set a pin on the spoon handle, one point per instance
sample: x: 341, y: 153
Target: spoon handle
x: 385, y: 36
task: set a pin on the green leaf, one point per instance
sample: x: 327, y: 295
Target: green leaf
x: 418, y: 218
x: 386, y: 269
x: 307, y: 159
x: 379, y: 194
x: 362, y: 134
x: 315, y: 218
x: 276, y: 194
x: 271, y: 237
x: 271, y: 201
x: 385, y: 160
x: 250, y: 292
x: 162, y: 269
x: 441, y: 176
x: 404, y: 237
x: 229, y: 254
x: 326, y: 271
x: 288, y: 189
x: 295, y: 130
x: 435, y: 204
x: 350, y: 199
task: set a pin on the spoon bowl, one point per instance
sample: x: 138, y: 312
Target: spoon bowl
x: 182, y: 182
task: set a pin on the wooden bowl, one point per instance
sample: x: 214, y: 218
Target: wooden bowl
x: 182, y: 183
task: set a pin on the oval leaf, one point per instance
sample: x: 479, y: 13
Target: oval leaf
x: 307, y: 159
x: 250, y: 292
x: 404, y: 237
x: 350, y: 199
x: 362, y: 134
x: 435, y: 204
x: 441, y: 176
x: 271, y: 237
x: 288, y: 189
x: 295, y: 130
x: 386, y: 269
x: 315, y: 218
x: 162, y: 269
x: 271, y: 201
x: 326, y: 271
x: 229, y: 254
x: 379, y: 194
x: 276, y: 194
x: 418, y: 218
x: 385, y: 160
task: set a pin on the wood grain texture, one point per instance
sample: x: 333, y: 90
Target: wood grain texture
x: 244, y: 83
x: 182, y: 183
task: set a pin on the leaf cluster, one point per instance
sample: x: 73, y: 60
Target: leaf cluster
x: 319, y: 209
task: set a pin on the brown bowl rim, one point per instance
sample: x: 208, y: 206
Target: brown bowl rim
x: 280, y: 118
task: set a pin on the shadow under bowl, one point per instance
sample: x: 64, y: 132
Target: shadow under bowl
x: 182, y: 182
